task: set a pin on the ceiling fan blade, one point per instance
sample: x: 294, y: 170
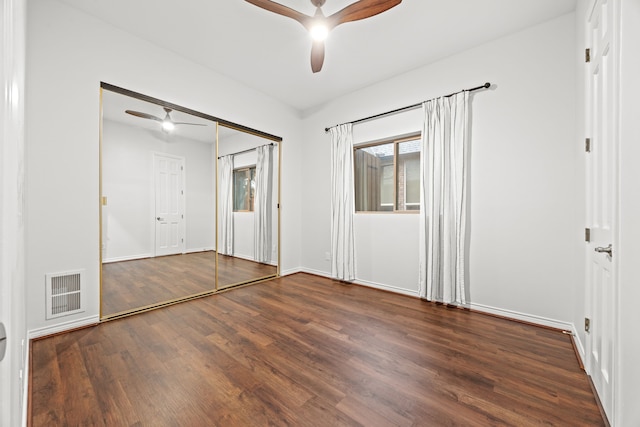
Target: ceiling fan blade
x: 317, y: 56
x: 192, y: 124
x: 360, y: 10
x: 274, y: 7
x: 143, y: 115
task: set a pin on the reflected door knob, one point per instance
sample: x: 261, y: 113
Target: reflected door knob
x: 608, y: 250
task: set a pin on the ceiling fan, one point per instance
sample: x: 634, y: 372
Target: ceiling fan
x: 167, y: 124
x: 319, y: 25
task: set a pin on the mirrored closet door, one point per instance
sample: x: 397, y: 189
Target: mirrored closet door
x: 158, y: 204
x: 248, y: 194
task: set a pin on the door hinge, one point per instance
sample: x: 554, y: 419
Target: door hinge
x: 587, y: 145
x: 587, y: 324
x: 181, y: 168
x: 587, y: 234
x: 587, y: 55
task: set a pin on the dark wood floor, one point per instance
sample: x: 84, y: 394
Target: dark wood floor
x: 306, y: 351
x: 129, y: 285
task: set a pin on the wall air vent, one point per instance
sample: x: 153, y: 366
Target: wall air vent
x: 65, y: 295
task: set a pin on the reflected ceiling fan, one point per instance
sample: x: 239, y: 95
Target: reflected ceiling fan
x: 167, y: 124
x: 319, y: 25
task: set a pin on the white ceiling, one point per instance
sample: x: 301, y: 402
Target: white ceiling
x: 270, y: 53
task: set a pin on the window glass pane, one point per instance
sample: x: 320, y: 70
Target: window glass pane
x: 244, y: 187
x: 240, y: 190
x: 374, y: 178
x: 387, y: 176
x: 386, y: 186
x: 408, y: 177
x: 252, y: 191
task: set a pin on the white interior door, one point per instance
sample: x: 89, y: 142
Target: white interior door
x: 169, y: 203
x: 602, y: 184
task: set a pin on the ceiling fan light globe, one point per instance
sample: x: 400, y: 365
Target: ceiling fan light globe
x: 168, y: 126
x: 319, y: 32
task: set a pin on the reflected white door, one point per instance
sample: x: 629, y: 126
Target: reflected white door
x: 169, y: 203
x: 602, y: 173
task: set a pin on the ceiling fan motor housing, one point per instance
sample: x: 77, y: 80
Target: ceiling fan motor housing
x: 356, y: 11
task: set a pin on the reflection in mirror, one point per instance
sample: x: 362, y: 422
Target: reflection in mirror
x: 248, y: 194
x: 158, y: 204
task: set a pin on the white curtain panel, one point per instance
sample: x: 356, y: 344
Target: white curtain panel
x: 342, y: 203
x: 225, y: 207
x: 443, y: 197
x: 263, y: 204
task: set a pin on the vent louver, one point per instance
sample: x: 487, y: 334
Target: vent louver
x: 64, y: 294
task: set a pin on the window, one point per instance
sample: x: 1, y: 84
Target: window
x: 244, y: 185
x: 387, y: 176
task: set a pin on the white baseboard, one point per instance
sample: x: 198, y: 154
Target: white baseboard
x: 63, y: 327
x: 579, y: 346
x: 366, y: 283
x: 143, y: 256
x: 312, y: 271
x: 195, y: 250
x: 251, y: 258
x: 384, y: 287
x: 510, y: 314
x: 243, y: 256
x: 126, y: 258
x: 290, y: 271
x: 525, y: 317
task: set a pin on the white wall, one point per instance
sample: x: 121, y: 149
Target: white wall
x: 526, y: 176
x: 380, y: 235
x: 13, y: 367
x: 127, y: 182
x: 68, y: 54
x: 628, y: 376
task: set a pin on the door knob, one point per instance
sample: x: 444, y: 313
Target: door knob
x: 160, y: 219
x: 608, y: 250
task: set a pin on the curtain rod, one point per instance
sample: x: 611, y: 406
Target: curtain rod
x: 411, y: 107
x: 247, y: 150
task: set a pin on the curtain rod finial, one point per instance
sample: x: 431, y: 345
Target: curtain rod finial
x: 487, y: 85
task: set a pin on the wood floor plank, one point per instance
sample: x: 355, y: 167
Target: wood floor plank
x: 307, y: 351
x: 129, y: 285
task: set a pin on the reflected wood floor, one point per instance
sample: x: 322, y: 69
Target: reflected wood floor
x: 128, y: 285
x: 307, y: 351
